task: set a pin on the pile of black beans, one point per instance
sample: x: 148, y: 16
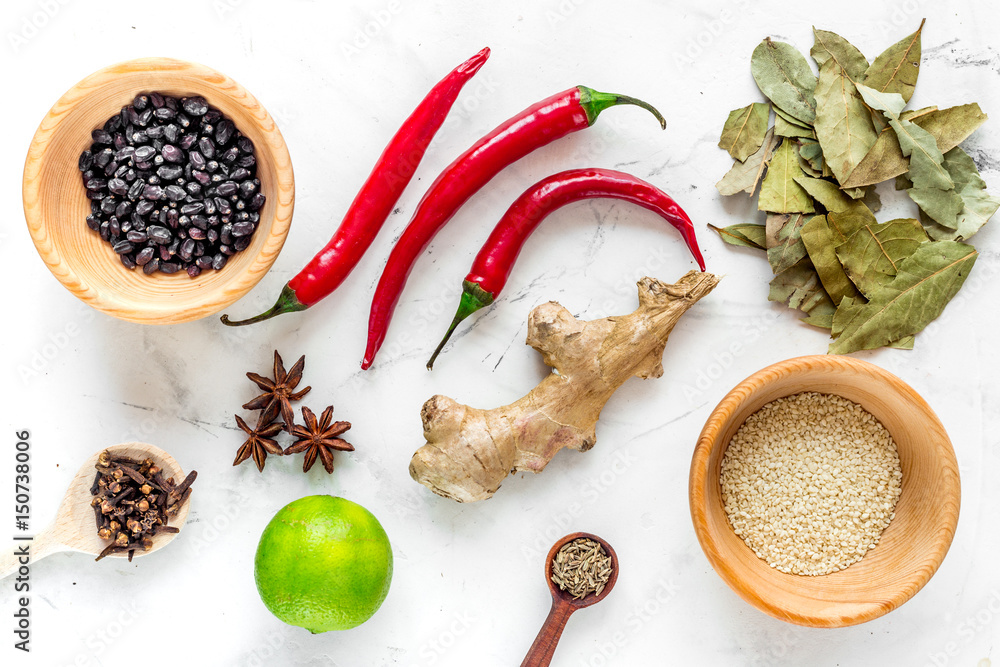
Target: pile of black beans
x: 172, y: 185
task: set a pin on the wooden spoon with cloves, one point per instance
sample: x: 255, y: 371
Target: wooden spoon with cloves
x: 75, y: 527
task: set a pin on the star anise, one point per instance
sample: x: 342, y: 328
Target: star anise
x: 319, y: 438
x: 279, y: 391
x: 259, y: 443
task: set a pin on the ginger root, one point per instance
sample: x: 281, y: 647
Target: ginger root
x: 470, y: 451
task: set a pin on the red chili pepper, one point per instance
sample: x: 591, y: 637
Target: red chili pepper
x: 373, y: 203
x: 495, y: 260
x: 536, y: 126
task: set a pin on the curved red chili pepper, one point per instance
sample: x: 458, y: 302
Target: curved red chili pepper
x: 376, y: 199
x: 495, y: 260
x: 536, y: 126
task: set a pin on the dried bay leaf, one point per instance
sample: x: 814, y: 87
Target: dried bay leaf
x: 821, y: 242
x: 784, y: 128
x: 746, y: 234
x: 831, y: 46
x: 924, y: 284
x: 896, y: 69
x: 783, y: 240
x: 812, y: 153
x: 744, y: 130
x: 744, y: 176
x: 977, y: 205
x: 843, y: 123
x: 941, y: 206
x: 784, y: 76
x: 779, y: 193
x: 821, y: 311
x: 885, y: 160
x: 797, y: 285
x: 825, y: 192
x: 871, y: 255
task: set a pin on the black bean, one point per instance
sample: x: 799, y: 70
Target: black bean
x: 133, y: 116
x: 239, y: 174
x: 127, y: 260
x: 195, y: 233
x: 204, y: 262
x: 183, y: 121
x: 224, y: 131
x: 242, y: 243
x: 136, y: 236
x: 95, y: 194
x: 212, y: 166
x: 226, y: 233
x: 257, y: 202
x: 226, y: 249
x: 152, y: 266
x: 171, y: 132
x: 246, y: 161
x: 101, y: 137
x: 144, y: 207
x: 140, y: 137
x: 174, y: 193
x: 145, y: 117
x: 247, y: 189
x: 162, y: 216
x: 123, y: 209
x: 158, y: 234
x: 226, y: 189
x: 212, y: 235
x: 173, y: 218
x: 165, y: 113
x: 165, y: 254
x: 118, y: 186
x: 193, y: 270
x: 103, y: 158
x: 122, y: 247
x: 108, y: 205
x: 96, y: 184
x: 243, y: 229
x: 93, y: 222
x: 212, y: 116
x: 206, y: 147
x: 186, y: 249
x: 144, y: 153
x: 244, y: 144
x: 135, y: 190
x: 230, y: 155
x: 140, y: 102
x: 145, y: 255
x: 105, y: 230
x: 192, y: 208
x: 171, y: 153
x: 126, y: 225
x: 197, y: 160
x: 193, y: 188
x: 86, y: 160
x: 155, y: 132
x: 113, y: 124
x: 210, y: 208
x: 143, y: 167
x: 169, y: 173
x: 196, y: 106
x: 219, y: 261
x: 202, y: 177
x: 114, y: 227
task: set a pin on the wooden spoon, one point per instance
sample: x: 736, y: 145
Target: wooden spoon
x: 563, y: 604
x: 74, y: 528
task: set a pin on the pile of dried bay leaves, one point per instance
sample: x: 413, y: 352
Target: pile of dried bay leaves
x: 834, y: 138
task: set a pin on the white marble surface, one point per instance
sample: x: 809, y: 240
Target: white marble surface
x: 468, y: 586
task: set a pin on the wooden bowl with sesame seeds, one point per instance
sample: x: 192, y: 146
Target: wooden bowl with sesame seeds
x: 56, y: 205
x: 910, y: 549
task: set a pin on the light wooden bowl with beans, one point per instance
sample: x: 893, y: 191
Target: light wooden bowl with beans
x: 56, y: 206
x: 911, y: 548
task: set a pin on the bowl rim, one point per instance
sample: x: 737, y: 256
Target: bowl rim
x: 699, y: 472
x: 284, y: 192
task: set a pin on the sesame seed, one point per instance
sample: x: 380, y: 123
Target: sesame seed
x: 810, y: 482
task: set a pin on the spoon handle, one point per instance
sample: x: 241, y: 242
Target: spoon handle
x: 541, y: 651
x: 38, y: 547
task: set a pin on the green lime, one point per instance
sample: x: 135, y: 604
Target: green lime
x: 323, y: 563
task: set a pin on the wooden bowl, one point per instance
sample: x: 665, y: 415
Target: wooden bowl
x: 56, y: 206
x: 912, y: 546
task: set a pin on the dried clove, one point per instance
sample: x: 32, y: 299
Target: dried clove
x: 126, y: 509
